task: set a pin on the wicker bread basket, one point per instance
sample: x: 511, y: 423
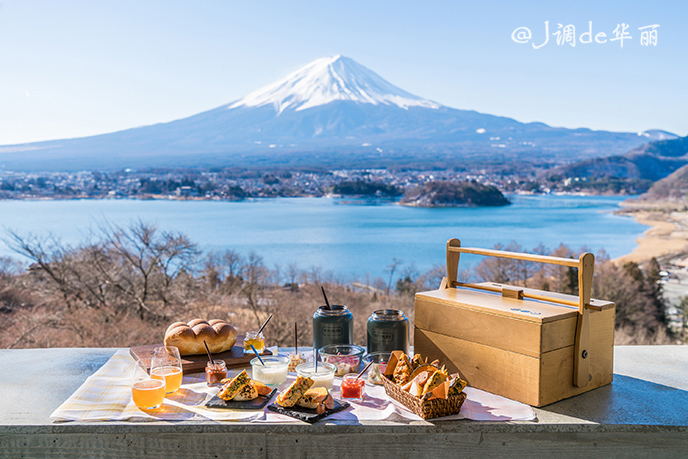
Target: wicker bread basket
x: 426, y: 409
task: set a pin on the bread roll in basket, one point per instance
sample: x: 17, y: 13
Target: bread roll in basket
x: 188, y: 337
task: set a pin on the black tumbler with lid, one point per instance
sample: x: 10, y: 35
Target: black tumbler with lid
x: 333, y: 325
x: 388, y: 330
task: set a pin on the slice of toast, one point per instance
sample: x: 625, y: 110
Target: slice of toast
x: 248, y: 392
x: 262, y: 388
x: 234, y: 385
x: 318, y: 399
x: 402, y: 372
x: 291, y: 395
x: 313, y: 397
x: 392, y: 363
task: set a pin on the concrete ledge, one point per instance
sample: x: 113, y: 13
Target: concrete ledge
x: 644, y: 412
x: 364, y: 444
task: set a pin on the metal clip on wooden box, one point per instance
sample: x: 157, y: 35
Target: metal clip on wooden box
x: 530, y: 345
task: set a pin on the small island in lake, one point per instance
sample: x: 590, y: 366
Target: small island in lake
x: 366, y: 188
x: 454, y: 194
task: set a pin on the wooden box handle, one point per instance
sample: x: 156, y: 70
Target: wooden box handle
x: 585, y: 265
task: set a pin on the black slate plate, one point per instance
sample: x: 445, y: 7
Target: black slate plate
x: 306, y: 414
x: 255, y: 404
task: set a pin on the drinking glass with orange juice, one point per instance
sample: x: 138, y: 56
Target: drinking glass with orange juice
x: 166, y: 365
x: 147, y: 393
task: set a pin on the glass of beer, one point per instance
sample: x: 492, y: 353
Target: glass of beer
x: 147, y: 393
x: 166, y: 365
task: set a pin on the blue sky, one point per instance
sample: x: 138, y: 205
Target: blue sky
x: 73, y: 68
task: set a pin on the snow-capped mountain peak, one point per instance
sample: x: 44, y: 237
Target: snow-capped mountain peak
x: 329, y: 79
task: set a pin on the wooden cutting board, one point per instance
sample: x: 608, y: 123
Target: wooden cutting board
x: 196, y: 363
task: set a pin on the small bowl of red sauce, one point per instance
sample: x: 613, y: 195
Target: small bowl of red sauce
x: 352, y: 386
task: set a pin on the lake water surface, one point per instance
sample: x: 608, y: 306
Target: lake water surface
x: 350, y: 238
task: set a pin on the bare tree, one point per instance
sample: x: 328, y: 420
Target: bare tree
x: 391, y: 269
x: 139, y: 279
x: 255, y: 275
x: 133, y: 267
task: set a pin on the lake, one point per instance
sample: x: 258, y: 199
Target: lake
x: 350, y: 238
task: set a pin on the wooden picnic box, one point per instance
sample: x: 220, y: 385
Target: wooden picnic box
x: 530, y: 345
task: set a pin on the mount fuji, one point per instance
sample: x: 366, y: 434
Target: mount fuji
x: 330, y: 112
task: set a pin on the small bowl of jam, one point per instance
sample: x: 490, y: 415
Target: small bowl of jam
x: 215, y: 372
x: 352, y: 386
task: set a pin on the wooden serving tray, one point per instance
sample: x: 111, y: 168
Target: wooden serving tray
x: 233, y: 358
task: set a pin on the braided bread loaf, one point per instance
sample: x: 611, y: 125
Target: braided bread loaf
x: 188, y: 337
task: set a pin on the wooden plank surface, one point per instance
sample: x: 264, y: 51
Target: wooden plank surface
x: 557, y: 366
x: 196, y: 363
x: 529, y: 310
x: 336, y: 441
x: 494, y: 330
x: 535, y: 380
x: 510, y: 374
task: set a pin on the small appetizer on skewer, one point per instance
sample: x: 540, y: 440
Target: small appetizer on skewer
x: 294, y: 361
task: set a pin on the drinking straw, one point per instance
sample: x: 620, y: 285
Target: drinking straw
x: 257, y: 354
x: 210, y: 357
x: 296, y: 345
x: 364, y: 370
x: 315, y: 358
x: 264, y: 324
x: 327, y: 302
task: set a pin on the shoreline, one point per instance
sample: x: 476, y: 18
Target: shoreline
x: 666, y: 238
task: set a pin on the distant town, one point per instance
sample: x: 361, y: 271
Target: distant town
x: 231, y: 184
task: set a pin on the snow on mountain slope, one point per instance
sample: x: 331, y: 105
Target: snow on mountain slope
x: 331, y: 79
x: 331, y: 111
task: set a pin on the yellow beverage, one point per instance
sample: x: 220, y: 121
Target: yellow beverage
x: 258, y: 343
x: 172, y: 376
x: 148, y: 394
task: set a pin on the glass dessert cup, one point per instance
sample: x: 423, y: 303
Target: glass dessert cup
x: 273, y: 373
x: 377, y: 368
x: 323, y: 377
x: 345, y: 357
